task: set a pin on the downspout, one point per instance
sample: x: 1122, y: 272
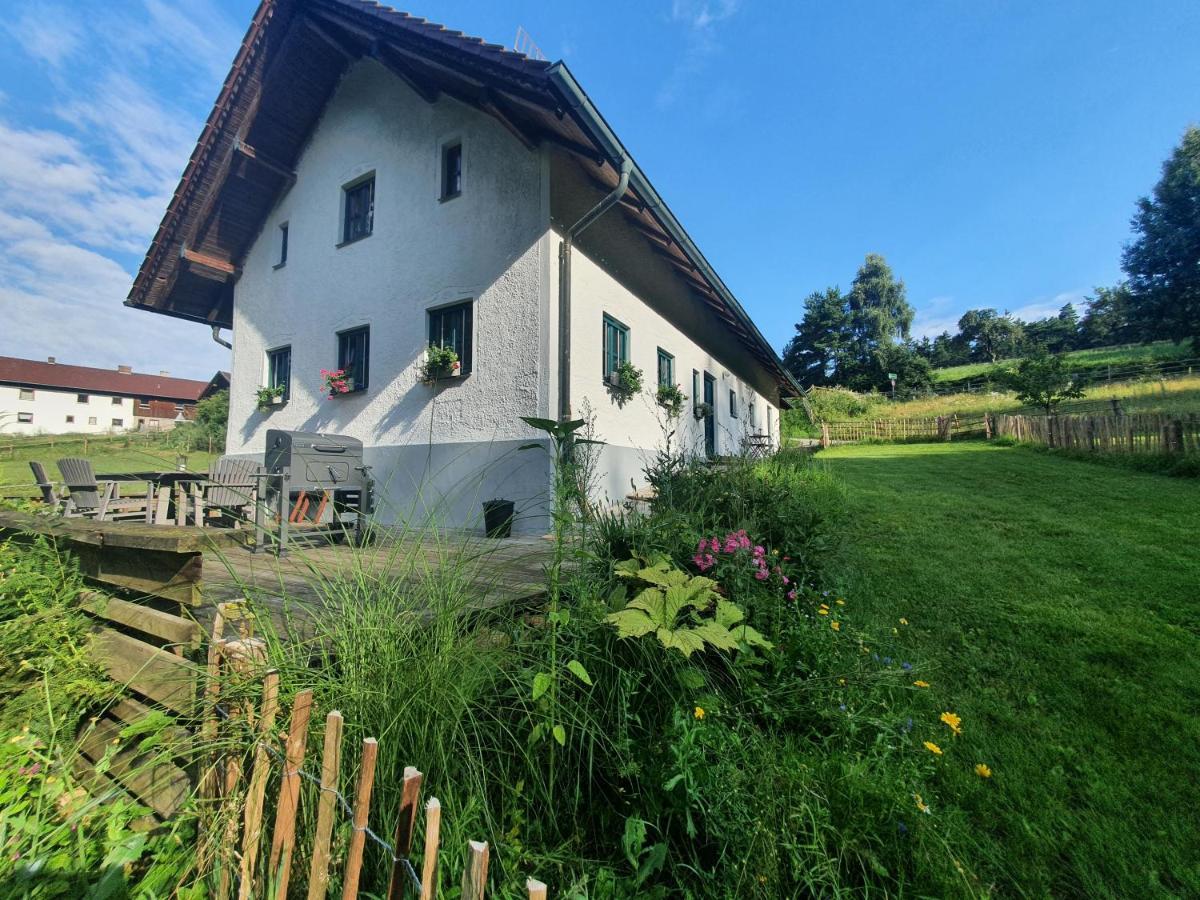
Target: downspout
x: 564, y: 286
x: 216, y: 332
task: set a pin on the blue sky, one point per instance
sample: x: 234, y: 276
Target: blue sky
x: 992, y: 151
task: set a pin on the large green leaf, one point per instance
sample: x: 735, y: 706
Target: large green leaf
x: 631, y: 622
x: 728, y: 614
x: 716, y: 635
x: 685, y: 640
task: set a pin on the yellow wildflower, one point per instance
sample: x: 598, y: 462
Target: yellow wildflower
x: 841, y: 681
x: 822, y: 612
x: 921, y: 804
x: 933, y: 748
x: 836, y: 626
x: 895, y: 631
x: 955, y: 722
x: 904, y: 621
x: 921, y: 684
x: 840, y: 602
x: 698, y: 712
x: 982, y: 770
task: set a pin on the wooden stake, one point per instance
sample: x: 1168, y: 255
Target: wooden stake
x: 252, y: 826
x: 475, y: 874
x: 362, y: 812
x: 284, y: 835
x: 331, y: 760
x: 537, y: 890
x: 433, y: 827
x: 406, y: 825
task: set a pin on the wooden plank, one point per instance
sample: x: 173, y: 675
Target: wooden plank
x: 256, y: 793
x: 433, y: 829
x: 537, y: 890
x: 172, y: 629
x: 151, y: 671
x: 283, y: 837
x: 158, y: 573
x: 102, y: 788
x: 362, y: 814
x: 406, y: 825
x: 331, y: 761
x: 176, y: 737
x: 162, y: 786
x: 475, y: 874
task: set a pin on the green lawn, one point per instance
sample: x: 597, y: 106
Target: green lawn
x: 107, y: 456
x: 1056, y: 605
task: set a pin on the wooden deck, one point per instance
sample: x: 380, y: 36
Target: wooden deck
x: 310, y: 581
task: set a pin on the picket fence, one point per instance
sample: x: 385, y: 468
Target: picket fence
x: 1145, y: 433
x: 241, y: 809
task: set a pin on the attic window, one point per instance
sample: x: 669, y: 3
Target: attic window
x: 358, y: 209
x: 451, y: 171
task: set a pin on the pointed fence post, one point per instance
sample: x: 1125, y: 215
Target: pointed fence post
x: 475, y: 874
x: 362, y: 812
x: 283, y: 837
x: 252, y: 824
x: 331, y: 760
x: 406, y: 824
x: 537, y: 890
x: 433, y: 827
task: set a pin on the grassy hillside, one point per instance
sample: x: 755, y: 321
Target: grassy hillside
x: 1093, y: 361
x: 1055, y: 606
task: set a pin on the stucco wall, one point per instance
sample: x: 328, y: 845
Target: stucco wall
x: 50, y: 409
x: 487, y: 245
x: 631, y: 433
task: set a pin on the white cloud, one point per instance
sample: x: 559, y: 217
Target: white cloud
x: 699, y: 19
x: 80, y: 197
x: 49, y: 34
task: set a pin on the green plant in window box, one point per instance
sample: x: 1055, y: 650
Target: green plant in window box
x: 440, y: 362
x: 702, y: 410
x: 624, y: 382
x: 671, y: 398
x: 266, y: 397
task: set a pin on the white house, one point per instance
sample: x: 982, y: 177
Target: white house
x: 49, y: 397
x: 370, y: 184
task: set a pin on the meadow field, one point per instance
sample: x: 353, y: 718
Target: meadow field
x: 1096, y: 360
x: 1055, y: 606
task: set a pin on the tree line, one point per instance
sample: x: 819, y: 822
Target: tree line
x: 857, y: 339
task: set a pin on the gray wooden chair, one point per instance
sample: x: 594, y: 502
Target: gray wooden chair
x: 232, y: 489
x: 98, y: 500
x: 48, y: 488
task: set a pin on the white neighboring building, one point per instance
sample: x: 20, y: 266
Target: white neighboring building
x: 370, y: 184
x: 47, y: 397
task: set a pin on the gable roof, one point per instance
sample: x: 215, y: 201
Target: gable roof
x: 85, y: 379
x: 287, y: 67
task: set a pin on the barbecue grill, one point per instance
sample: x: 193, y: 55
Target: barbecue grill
x: 317, y: 485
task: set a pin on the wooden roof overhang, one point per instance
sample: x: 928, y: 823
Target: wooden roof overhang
x: 289, y: 63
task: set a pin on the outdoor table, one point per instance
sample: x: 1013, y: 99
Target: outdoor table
x: 167, y: 511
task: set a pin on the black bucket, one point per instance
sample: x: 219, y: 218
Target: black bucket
x: 498, y: 518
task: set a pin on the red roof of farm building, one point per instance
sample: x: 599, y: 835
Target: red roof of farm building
x: 36, y: 373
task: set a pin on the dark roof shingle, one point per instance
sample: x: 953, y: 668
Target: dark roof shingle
x: 35, y: 373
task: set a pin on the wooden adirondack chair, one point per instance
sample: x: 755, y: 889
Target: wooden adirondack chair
x: 99, y: 500
x: 48, y: 488
x: 230, y: 491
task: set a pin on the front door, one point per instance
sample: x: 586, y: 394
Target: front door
x: 710, y: 420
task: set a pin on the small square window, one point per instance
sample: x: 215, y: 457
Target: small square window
x: 70, y: 420
x: 354, y: 352
x: 616, y: 346
x: 666, y: 368
x: 81, y: 398
x: 26, y: 393
x: 116, y: 401
x: 118, y: 423
x: 24, y: 418
x: 452, y: 326
x: 359, y: 218
x: 451, y: 171
x: 283, y: 242
x: 91, y: 420
x: 279, y: 370
x: 733, y: 404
